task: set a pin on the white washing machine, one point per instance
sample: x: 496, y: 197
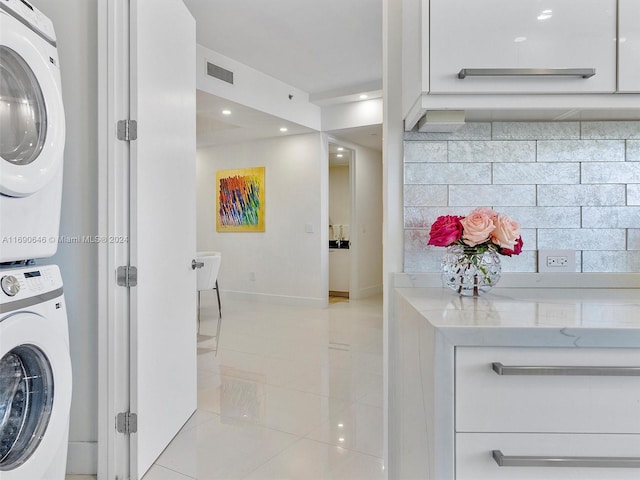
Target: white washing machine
x: 35, y: 374
x: 32, y: 134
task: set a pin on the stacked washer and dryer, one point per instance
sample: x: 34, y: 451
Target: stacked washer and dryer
x: 35, y: 366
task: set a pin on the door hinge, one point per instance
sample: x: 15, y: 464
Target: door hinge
x: 127, y: 130
x: 127, y: 276
x: 127, y: 423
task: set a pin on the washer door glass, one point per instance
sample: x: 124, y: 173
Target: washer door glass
x: 26, y: 401
x: 23, y: 114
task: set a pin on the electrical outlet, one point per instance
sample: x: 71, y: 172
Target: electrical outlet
x: 557, y: 261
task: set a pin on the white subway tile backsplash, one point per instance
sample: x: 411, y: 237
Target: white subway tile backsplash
x: 535, y: 130
x: 544, y: 217
x: 633, y: 194
x: 581, y: 150
x: 611, y: 130
x: 426, y: 195
x: 569, y: 185
x: 633, y: 150
x: 616, y: 172
x: 612, y: 261
x: 423, y: 217
x: 633, y: 239
x: 529, y: 238
x: 525, y: 262
x: 423, y: 152
x: 469, y: 131
x: 536, y: 173
x: 611, y: 217
x: 492, y: 151
x: 496, y: 195
x: 447, y: 173
x: 577, y: 195
x: 581, y: 238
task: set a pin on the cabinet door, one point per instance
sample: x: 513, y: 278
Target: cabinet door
x: 523, y: 34
x: 629, y: 46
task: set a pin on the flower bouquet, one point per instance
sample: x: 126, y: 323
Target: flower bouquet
x: 471, y: 265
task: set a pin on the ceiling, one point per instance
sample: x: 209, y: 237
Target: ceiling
x: 327, y: 48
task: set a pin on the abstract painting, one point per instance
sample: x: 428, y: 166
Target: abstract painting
x: 240, y: 202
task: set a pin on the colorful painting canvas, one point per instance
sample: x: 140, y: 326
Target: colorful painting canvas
x: 240, y: 202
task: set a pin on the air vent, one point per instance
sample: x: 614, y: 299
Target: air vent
x: 219, y: 73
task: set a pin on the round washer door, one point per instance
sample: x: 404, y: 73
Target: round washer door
x: 32, y: 123
x: 35, y: 394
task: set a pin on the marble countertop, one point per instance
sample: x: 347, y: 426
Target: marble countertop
x: 531, y: 316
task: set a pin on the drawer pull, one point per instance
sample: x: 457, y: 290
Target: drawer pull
x: 501, y: 369
x: 588, y: 462
x: 526, y: 72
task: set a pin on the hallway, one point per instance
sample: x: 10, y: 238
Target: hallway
x: 294, y: 393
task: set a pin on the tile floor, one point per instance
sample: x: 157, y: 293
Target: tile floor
x: 294, y: 393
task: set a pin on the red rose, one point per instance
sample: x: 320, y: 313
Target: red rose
x: 517, y: 248
x: 445, y: 231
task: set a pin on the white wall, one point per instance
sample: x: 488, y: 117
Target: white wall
x: 367, y: 228
x: 289, y: 263
x: 75, y: 23
x: 339, y: 199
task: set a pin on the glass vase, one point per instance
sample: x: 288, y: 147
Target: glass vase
x: 468, y: 272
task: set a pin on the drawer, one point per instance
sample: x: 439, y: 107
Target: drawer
x: 474, y: 456
x: 488, y: 402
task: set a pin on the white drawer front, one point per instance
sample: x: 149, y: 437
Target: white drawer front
x: 474, y: 459
x: 488, y: 402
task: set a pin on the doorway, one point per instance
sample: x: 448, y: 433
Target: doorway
x: 340, y: 218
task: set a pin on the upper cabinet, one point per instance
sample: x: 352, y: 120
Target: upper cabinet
x: 526, y: 46
x: 629, y: 46
x: 461, y: 54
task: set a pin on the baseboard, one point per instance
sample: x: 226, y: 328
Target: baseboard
x: 277, y: 299
x: 82, y: 458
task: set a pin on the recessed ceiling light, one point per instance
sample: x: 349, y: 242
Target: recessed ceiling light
x: 520, y: 39
x: 545, y: 15
x: 364, y: 96
x: 339, y: 155
x: 226, y: 112
x: 283, y: 129
x: 340, y: 149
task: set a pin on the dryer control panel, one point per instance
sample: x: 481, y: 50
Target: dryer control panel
x: 28, y: 281
x: 32, y: 16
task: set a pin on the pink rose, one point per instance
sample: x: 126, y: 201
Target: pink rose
x: 489, y: 212
x: 517, y: 248
x: 445, y: 231
x: 477, y: 226
x: 506, y: 232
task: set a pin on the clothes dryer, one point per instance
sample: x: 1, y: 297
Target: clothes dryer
x: 32, y: 133
x: 35, y: 374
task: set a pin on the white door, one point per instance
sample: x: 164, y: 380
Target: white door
x: 163, y: 213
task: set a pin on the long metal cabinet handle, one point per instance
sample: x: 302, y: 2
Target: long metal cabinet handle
x: 526, y: 72
x: 501, y: 369
x: 589, y: 462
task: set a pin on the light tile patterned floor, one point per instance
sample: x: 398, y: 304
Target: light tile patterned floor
x: 294, y: 393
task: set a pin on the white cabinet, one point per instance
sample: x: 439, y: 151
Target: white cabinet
x: 538, y: 59
x: 629, y: 46
x: 541, y: 406
x: 528, y: 46
x: 339, y: 270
